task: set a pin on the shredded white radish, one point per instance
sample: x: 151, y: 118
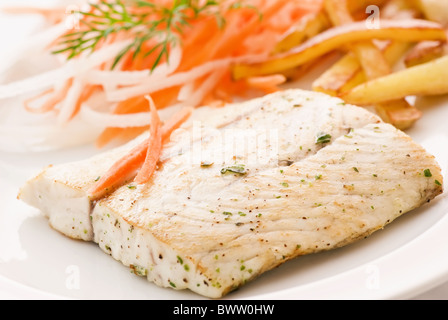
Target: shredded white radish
x: 69, y: 104
x: 112, y: 78
x: 186, y: 91
x: 148, y: 86
x: 201, y: 92
x: 104, y: 120
x: 70, y: 69
x: 22, y: 132
x: 100, y: 114
x: 38, y: 82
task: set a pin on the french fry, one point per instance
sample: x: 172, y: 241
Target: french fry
x: 424, y: 52
x: 430, y: 78
x: 372, y: 61
x: 399, y: 113
x: 338, y: 12
x: 369, y: 55
x: 309, y: 27
x: 401, y: 9
x: 412, y: 30
x: 347, y: 72
x: 436, y: 10
x: 356, y: 6
x: 318, y: 22
x: 300, y: 71
x: 341, y: 77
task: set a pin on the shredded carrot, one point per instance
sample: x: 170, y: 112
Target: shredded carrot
x: 154, y: 148
x: 125, y: 168
x: 120, y: 172
x: 240, y: 33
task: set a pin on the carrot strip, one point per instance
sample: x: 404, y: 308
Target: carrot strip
x: 154, y: 148
x: 120, y: 172
x: 125, y: 168
x: 239, y: 34
x: 155, y: 143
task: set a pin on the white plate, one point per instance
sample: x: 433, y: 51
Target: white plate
x: 405, y: 259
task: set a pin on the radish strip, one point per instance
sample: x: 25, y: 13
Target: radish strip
x: 186, y: 91
x: 71, y: 69
x: 149, y: 85
x: 208, y: 84
x: 116, y: 78
x: 55, y: 98
x: 104, y: 120
x: 69, y: 104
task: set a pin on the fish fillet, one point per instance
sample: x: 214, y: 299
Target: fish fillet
x: 242, y: 189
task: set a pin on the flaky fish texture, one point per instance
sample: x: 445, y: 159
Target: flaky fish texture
x: 242, y: 189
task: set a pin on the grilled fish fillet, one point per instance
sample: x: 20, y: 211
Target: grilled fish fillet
x: 253, y: 185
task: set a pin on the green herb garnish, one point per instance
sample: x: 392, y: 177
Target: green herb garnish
x: 238, y: 169
x: 323, y: 138
x: 151, y: 22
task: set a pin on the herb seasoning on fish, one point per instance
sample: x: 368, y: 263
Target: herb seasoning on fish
x: 323, y: 138
x: 238, y: 169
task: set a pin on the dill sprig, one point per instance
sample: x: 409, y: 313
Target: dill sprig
x: 151, y: 21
